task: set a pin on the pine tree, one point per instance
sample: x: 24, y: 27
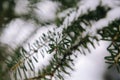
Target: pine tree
x: 85, y: 23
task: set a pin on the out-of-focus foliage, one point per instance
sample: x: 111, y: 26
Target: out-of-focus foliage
x: 6, y: 12
x: 68, y: 3
x: 112, y: 33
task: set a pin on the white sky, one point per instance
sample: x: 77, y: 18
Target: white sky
x: 90, y: 67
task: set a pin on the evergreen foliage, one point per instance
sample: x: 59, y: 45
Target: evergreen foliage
x: 62, y: 42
